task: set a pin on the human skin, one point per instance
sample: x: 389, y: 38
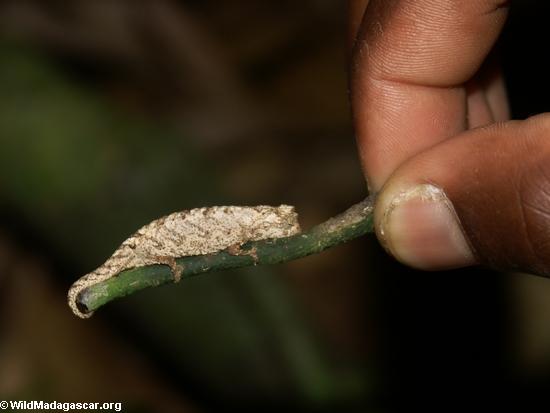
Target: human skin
x: 458, y: 182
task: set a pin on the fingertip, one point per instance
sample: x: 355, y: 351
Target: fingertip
x: 419, y: 227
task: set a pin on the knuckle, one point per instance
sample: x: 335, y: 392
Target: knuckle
x: 540, y: 123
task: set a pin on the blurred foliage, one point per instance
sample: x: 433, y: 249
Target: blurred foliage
x: 84, y: 176
x: 71, y: 162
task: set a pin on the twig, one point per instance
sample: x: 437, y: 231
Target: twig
x: 352, y: 223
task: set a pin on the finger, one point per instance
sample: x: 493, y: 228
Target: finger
x: 487, y: 101
x: 408, y: 68
x: 482, y: 197
x: 356, y: 10
x: 497, y: 97
x: 479, y: 112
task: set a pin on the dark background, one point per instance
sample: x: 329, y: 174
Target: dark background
x: 113, y: 113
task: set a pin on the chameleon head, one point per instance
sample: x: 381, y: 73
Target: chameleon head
x: 274, y: 222
x: 289, y: 220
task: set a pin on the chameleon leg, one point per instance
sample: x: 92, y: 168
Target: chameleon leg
x: 174, y: 267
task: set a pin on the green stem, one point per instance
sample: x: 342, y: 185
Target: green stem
x: 352, y: 223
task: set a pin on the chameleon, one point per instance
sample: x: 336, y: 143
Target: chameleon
x: 198, y: 231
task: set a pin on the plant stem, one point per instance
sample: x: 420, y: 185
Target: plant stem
x: 352, y: 223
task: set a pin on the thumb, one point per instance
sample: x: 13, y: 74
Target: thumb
x: 482, y: 197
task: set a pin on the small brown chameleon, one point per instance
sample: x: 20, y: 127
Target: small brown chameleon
x: 197, y: 231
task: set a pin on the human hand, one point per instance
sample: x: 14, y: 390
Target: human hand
x: 459, y: 183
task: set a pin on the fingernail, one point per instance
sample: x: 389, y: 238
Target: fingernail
x: 420, y: 228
